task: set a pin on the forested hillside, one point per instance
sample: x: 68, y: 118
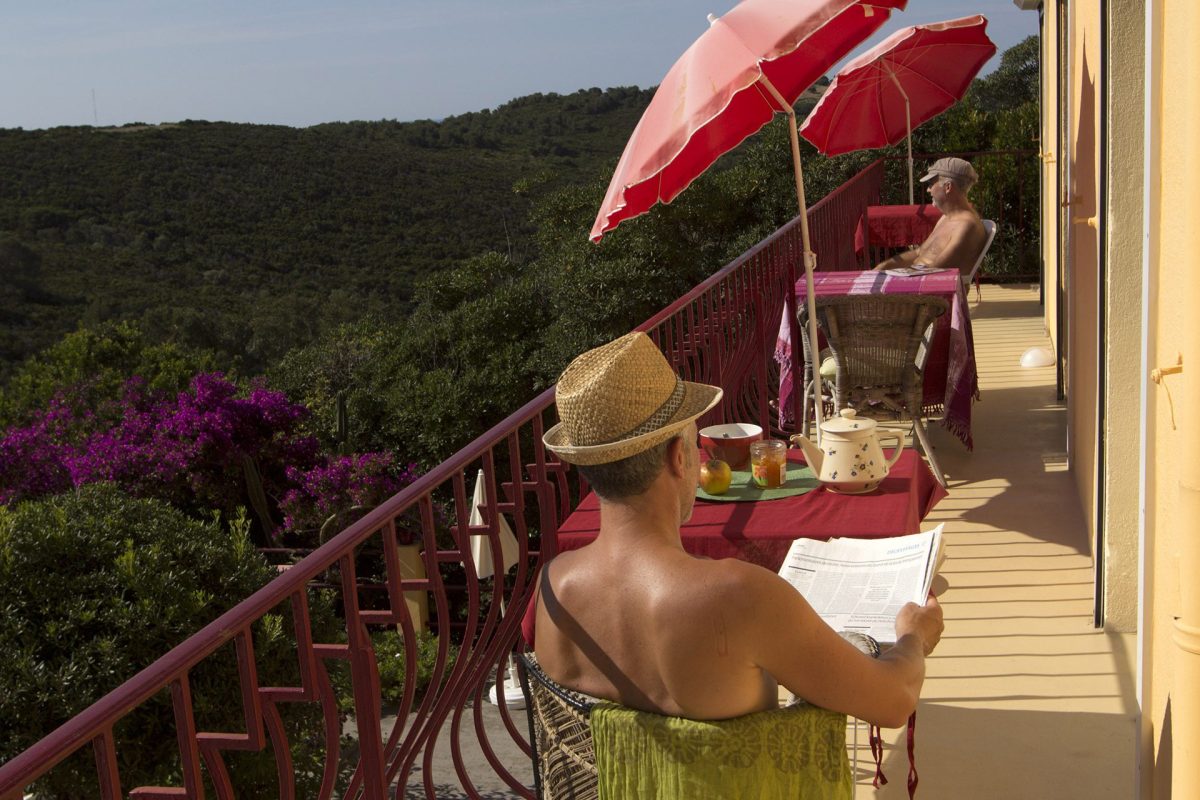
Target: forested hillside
x: 251, y: 239
x: 407, y: 283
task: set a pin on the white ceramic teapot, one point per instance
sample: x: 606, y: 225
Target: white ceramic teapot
x: 850, y: 459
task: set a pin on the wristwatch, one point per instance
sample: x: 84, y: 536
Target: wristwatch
x: 862, y: 641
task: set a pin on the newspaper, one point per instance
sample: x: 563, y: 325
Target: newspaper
x: 861, y: 584
x: 908, y: 272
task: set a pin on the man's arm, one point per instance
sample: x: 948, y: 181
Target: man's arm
x: 916, y: 255
x: 905, y: 258
x: 793, y: 644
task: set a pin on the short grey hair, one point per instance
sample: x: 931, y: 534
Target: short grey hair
x: 627, y: 477
x: 961, y: 182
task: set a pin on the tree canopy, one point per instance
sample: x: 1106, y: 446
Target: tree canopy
x: 248, y: 240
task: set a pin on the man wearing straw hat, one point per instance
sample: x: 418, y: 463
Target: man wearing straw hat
x: 634, y: 619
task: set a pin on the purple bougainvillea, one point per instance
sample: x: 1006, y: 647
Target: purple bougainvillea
x: 194, y: 450
x: 340, y: 483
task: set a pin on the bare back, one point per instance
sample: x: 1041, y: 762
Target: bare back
x: 656, y: 629
x: 660, y: 632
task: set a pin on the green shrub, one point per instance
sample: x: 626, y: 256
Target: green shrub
x: 389, y: 654
x: 93, y: 365
x: 94, y: 586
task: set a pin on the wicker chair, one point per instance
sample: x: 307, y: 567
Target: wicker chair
x: 560, y: 730
x: 879, y: 343
x: 560, y: 735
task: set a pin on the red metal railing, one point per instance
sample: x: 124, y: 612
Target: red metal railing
x: 721, y: 332
x: 833, y: 220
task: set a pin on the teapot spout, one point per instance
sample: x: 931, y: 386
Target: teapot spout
x: 812, y: 454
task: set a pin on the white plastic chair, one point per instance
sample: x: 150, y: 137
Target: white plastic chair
x: 990, y: 227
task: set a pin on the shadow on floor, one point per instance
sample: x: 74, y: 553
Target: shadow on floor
x: 1060, y: 755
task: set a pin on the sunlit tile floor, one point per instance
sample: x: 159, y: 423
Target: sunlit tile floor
x: 1024, y: 698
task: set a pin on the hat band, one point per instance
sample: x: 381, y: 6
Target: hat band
x: 659, y: 418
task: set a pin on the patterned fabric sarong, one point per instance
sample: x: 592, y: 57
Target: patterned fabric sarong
x: 793, y: 752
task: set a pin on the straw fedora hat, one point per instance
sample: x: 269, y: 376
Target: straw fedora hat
x: 622, y: 399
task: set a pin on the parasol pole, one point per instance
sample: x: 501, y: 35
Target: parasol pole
x: 810, y: 258
x: 908, y: 120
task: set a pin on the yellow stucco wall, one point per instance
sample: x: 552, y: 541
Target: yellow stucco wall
x: 1170, y: 576
x: 1123, y: 325
x: 1174, y: 673
x: 1082, y: 203
x: 1051, y: 153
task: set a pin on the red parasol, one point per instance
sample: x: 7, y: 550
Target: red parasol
x: 908, y: 79
x: 750, y: 65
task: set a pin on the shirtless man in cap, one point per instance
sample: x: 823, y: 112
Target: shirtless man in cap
x: 635, y: 619
x: 959, y: 236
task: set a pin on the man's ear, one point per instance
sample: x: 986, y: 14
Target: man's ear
x: 676, y: 457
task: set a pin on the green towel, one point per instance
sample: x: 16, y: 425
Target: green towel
x: 787, y: 753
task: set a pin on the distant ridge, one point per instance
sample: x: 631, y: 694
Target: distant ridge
x: 253, y: 238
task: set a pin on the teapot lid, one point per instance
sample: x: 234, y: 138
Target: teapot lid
x: 848, y: 423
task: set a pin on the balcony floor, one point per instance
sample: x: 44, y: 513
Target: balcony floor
x: 1024, y: 697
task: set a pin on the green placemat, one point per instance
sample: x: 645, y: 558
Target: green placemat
x: 800, y: 479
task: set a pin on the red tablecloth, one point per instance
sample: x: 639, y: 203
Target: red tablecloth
x: 895, y: 226
x: 762, y: 532
x: 951, y: 384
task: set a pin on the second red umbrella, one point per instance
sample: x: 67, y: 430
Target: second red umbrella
x: 907, y: 79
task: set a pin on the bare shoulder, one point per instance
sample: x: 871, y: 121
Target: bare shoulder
x: 572, y: 576
x: 671, y: 584
x: 593, y: 569
x: 738, y: 584
x: 567, y: 564
x: 957, y: 228
x: 734, y: 573
x: 964, y: 222
x: 964, y: 236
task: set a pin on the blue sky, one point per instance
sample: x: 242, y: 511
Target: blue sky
x: 302, y: 62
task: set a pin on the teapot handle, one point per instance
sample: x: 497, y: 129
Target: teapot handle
x: 891, y: 462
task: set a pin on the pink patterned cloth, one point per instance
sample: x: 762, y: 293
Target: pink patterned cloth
x: 951, y: 382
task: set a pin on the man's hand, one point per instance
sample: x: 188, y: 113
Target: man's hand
x: 925, y: 622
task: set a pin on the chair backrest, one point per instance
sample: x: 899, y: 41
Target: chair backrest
x: 580, y: 744
x: 560, y: 735
x: 875, y: 339
x: 990, y: 227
